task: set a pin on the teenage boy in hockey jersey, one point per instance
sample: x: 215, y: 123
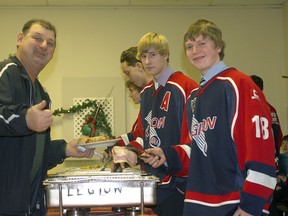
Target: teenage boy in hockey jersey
x: 231, y: 159
x: 163, y: 117
x: 134, y: 74
x: 129, y: 138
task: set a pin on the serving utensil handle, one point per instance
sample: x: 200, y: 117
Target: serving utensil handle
x: 60, y: 201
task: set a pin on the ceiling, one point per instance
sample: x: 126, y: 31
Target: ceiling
x: 141, y: 3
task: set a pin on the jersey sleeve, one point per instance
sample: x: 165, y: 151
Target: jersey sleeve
x: 178, y: 156
x: 133, y: 138
x: 251, y: 129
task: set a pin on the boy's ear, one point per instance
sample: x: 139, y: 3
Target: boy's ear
x: 140, y: 66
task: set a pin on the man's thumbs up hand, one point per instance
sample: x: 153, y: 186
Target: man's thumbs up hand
x: 38, y: 118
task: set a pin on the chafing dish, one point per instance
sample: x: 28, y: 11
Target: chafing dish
x: 93, y: 188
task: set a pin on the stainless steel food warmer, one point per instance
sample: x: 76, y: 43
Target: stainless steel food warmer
x: 93, y: 188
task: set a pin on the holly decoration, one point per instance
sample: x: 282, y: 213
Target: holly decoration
x: 95, y: 122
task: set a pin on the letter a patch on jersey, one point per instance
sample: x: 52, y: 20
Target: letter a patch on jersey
x: 165, y: 101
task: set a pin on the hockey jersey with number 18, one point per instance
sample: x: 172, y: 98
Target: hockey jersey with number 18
x: 232, y: 152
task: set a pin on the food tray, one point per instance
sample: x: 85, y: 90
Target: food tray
x: 100, y: 188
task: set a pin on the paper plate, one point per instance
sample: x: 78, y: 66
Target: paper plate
x: 105, y: 143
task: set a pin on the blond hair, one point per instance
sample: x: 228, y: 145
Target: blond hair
x: 153, y: 40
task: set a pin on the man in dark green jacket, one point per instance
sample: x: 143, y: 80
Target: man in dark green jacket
x: 27, y: 151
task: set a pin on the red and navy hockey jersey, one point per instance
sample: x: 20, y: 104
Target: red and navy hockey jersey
x: 232, y: 152
x: 164, y: 122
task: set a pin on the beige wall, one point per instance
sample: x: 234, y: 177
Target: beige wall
x: 90, y: 41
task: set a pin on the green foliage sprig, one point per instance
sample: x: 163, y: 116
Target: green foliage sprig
x: 100, y: 123
x: 76, y: 108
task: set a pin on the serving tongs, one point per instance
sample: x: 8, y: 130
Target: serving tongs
x: 139, y: 151
x: 117, y: 166
x: 104, y: 165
